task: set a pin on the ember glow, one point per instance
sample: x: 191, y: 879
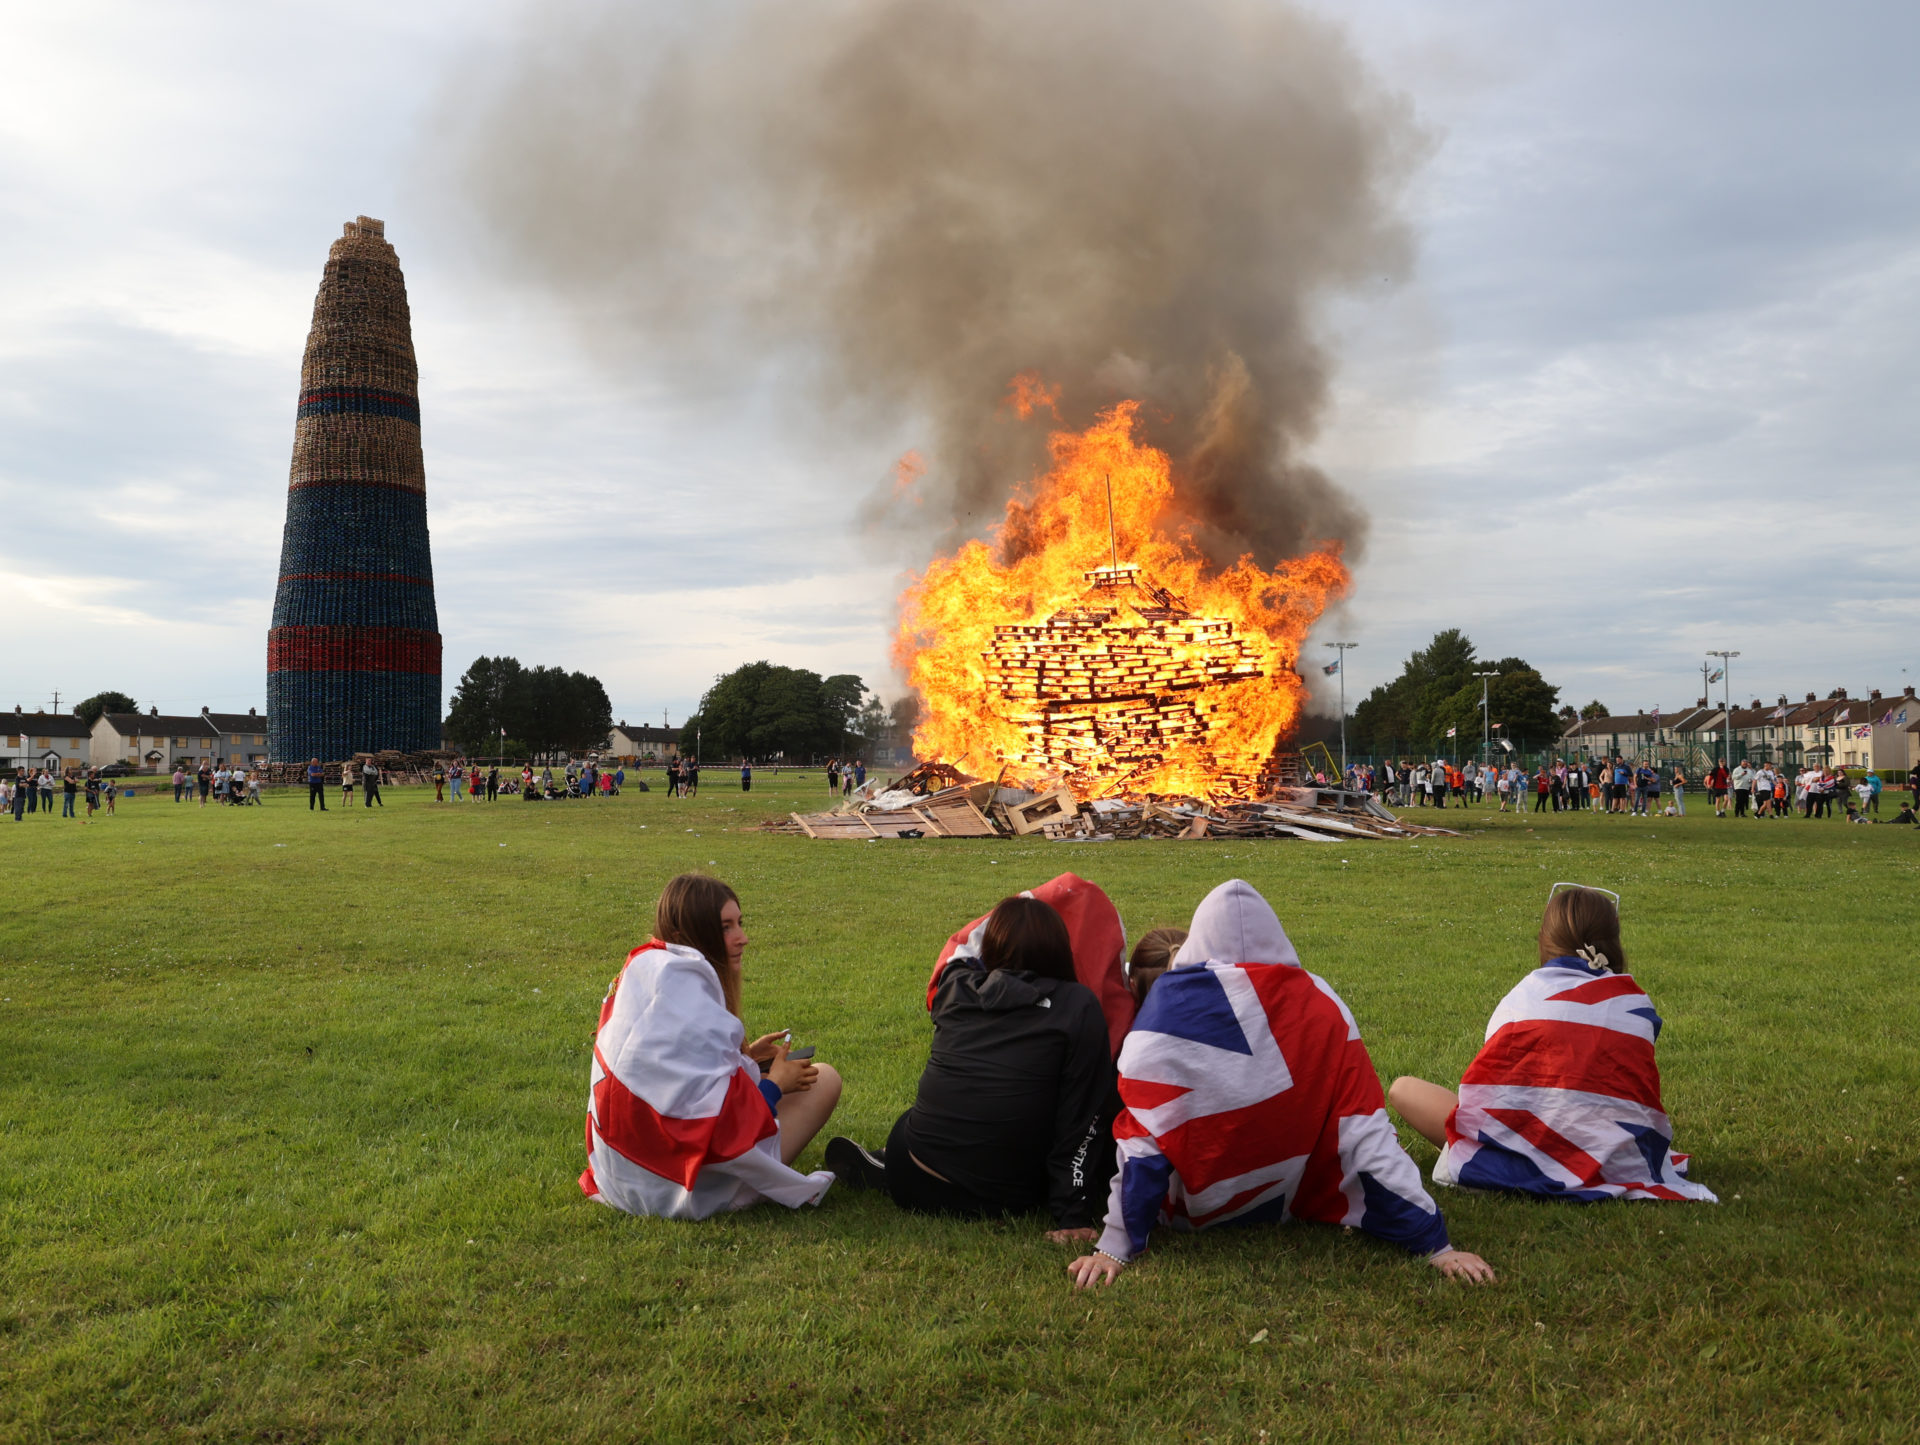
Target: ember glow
x: 1114, y: 661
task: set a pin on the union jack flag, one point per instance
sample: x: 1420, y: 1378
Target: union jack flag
x: 1250, y: 1097
x: 1563, y: 1099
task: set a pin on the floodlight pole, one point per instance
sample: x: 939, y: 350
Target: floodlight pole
x: 1341, y: 648
x: 1726, y: 700
x: 1486, y: 718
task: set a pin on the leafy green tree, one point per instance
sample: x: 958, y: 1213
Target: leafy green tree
x: 762, y: 709
x: 1594, y: 709
x: 477, y: 712
x: 544, y: 710
x: 90, y: 711
x: 1437, y: 690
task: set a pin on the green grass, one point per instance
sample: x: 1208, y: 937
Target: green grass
x: 290, y: 1119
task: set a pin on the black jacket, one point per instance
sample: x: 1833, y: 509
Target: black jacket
x: 1016, y: 1104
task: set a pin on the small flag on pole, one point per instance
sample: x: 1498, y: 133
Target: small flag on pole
x: 1778, y: 712
x: 1845, y: 714
x: 1656, y: 717
x: 1332, y: 667
x: 1718, y: 673
x: 1452, y: 731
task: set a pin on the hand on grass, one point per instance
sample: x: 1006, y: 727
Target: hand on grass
x: 1073, y: 1236
x: 1467, y: 1268
x: 761, y: 1049
x: 1092, y: 1269
x: 794, y: 1076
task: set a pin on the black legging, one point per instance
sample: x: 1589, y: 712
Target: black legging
x: 915, y: 1189
x: 316, y: 793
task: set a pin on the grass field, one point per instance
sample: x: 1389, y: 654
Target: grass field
x: 290, y: 1119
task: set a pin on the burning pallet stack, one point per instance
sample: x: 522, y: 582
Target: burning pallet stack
x: 1105, y: 690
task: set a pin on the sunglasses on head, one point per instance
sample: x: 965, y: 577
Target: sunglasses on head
x: 1589, y: 887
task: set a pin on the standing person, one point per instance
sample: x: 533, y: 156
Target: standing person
x: 22, y: 787
x: 440, y: 780
x: 93, y: 794
x: 346, y: 782
x: 673, y: 777
x: 1874, y: 786
x: 455, y: 776
x: 619, y: 779
x: 370, y: 784
x: 1651, y: 777
x: 859, y: 772
x: 746, y: 776
x: 316, y: 786
x: 493, y: 784
x: 1542, y: 789
x: 70, y: 789
x: 109, y: 790
x: 1717, y: 783
x: 179, y: 781
x: 46, y: 792
x: 253, y: 787
x: 833, y: 776
x: 1742, y: 779
x: 203, y: 777
x: 692, y: 774
x: 1762, y: 790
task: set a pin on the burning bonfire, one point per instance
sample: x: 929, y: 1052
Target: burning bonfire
x: 1089, y: 644
x: 1087, y: 676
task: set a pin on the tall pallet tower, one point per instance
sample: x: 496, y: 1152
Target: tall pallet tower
x: 353, y: 658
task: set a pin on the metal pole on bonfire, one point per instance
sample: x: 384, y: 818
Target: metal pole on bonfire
x: 1340, y: 666
x: 1113, y: 540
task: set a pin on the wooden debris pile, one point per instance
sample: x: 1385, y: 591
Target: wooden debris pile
x: 976, y: 809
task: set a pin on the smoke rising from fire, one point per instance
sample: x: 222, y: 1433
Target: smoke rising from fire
x: 895, y: 208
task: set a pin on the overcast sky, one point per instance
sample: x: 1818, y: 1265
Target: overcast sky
x: 1651, y: 390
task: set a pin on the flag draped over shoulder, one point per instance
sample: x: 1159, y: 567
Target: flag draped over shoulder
x: 1249, y: 1096
x: 677, y: 1124
x: 1099, y: 947
x: 1563, y: 1099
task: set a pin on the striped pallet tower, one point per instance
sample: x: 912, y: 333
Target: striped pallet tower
x: 353, y: 659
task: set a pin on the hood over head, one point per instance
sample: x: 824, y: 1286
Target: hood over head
x: 1234, y: 924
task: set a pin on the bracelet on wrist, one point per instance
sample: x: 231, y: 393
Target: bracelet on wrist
x: 1104, y: 1255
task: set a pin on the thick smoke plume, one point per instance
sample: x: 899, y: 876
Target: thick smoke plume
x: 900, y: 206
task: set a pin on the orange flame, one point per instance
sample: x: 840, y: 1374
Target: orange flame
x: 1027, y: 393
x: 1157, y: 675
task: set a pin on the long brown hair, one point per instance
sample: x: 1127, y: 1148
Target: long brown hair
x: 689, y: 914
x: 1151, y: 957
x: 1578, y: 918
x: 1026, y: 934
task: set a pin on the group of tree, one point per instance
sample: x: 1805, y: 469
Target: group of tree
x: 1437, y: 690
x: 92, y: 709
x: 763, y: 710
x: 501, y: 707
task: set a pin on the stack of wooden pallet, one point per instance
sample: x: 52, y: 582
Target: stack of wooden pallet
x: 1109, y: 689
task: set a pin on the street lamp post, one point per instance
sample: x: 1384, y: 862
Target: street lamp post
x: 1486, y: 718
x: 1340, y: 665
x: 1726, y: 701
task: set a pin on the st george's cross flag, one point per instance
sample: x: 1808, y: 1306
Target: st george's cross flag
x: 1249, y: 1097
x: 677, y: 1124
x: 1563, y: 1099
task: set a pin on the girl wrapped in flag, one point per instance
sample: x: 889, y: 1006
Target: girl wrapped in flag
x: 1249, y: 1097
x: 680, y: 1121
x: 1563, y: 1099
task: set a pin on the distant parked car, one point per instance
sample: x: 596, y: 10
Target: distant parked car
x: 117, y: 770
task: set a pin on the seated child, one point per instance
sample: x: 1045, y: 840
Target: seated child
x: 685, y: 1118
x: 1150, y: 958
x: 1250, y: 1097
x: 1015, y: 1107
x: 1563, y: 1099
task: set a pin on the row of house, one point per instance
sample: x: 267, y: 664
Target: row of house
x: 1876, y: 731
x: 146, y: 742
